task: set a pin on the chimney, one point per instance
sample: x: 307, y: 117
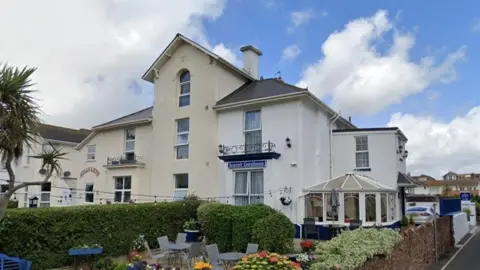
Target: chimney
x: 350, y: 119
x: 250, y: 60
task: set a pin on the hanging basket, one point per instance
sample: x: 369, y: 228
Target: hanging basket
x: 285, y: 200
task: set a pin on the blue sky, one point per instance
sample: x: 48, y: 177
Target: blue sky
x: 436, y: 28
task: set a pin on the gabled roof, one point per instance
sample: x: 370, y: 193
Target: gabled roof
x: 177, y: 41
x: 260, y: 89
x: 404, y: 180
x: 350, y: 183
x: 461, y: 182
x: 63, y: 134
x: 139, y: 116
x: 265, y: 90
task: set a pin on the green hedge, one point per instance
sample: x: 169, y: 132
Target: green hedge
x: 216, y: 223
x: 274, y: 233
x: 44, y: 235
x: 233, y: 227
x: 244, y: 219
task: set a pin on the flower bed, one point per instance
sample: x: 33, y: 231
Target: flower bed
x: 266, y: 260
x: 352, y: 249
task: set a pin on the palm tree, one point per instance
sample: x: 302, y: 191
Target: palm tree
x: 19, y: 119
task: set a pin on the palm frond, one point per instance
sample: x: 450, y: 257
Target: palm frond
x: 50, y: 159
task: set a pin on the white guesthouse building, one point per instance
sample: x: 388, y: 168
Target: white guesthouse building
x: 222, y: 132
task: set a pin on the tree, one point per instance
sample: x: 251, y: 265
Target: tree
x: 19, y: 119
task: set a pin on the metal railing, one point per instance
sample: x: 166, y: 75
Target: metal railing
x: 243, y: 149
x: 123, y: 160
x: 13, y: 263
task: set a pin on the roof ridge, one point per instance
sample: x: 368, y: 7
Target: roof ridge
x: 65, y: 128
x: 106, y: 123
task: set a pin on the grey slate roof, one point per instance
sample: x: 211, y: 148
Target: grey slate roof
x: 57, y: 133
x: 405, y: 180
x: 136, y: 116
x: 260, y: 89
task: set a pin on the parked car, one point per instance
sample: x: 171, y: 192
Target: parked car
x: 421, y: 214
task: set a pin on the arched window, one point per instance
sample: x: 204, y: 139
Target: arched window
x: 184, y: 97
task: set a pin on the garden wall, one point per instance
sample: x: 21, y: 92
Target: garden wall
x: 416, y: 251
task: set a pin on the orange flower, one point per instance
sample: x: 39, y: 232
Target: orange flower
x: 263, y: 254
x: 273, y: 259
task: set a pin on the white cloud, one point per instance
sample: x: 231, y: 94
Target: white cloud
x: 91, y: 54
x: 227, y: 54
x: 290, y: 53
x: 324, y: 13
x: 476, y: 25
x: 436, y: 147
x: 299, y: 18
x: 361, y: 79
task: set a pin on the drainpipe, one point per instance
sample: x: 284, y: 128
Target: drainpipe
x: 332, y: 120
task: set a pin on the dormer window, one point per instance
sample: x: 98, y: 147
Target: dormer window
x: 184, y: 97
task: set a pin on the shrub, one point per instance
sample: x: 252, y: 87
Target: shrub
x: 44, y: 235
x: 351, y: 249
x: 404, y: 222
x: 12, y: 204
x: 191, y: 204
x: 265, y: 260
x: 244, y: 219
x: 216, y: 223
x: 274, y: 233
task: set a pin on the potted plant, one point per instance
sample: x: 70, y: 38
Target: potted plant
x: 137, y: 246
x: 191, y: 227
x: 307, y: 246
x: 467, y: 211
x: 94, y: 249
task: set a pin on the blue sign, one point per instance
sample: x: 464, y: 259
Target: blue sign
x: 465, y: 196
x: 247, y: 164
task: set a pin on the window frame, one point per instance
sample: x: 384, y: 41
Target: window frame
x: 94, y: 153
x: 180, y: 95
x: 364, y: 151
x: 123, y: 189
x: 92, y: 192
x: 178, y: 145
x: 180, y: 190
x: 127, y: 152
x: 249, y: 193
x: 246, y: 132
x: 49, y: 192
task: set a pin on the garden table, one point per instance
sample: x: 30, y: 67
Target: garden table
x: 177, y: 250
x: 230, y: 258
x: 336, y: 229
x: 89, y: 252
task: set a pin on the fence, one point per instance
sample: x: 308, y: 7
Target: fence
x: 13, y: 263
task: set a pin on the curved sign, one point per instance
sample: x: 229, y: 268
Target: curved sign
x: 89, y: 169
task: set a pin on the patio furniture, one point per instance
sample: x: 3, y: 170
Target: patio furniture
x: 310, y: 228
x: 194, y: 252
x: 178, y: 251
x: 156, y: 254
x: 181, y: 238
x: 336, y: 229
x: 213, y: 253
x: 87, y: 252
x: 252, y: 248
x: 163, y: 242
x: 355, y: 224
x: 230, y: 258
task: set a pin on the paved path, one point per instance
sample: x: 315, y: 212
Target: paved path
x: 469, y: 257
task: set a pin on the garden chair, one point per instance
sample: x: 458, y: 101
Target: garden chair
x: 251, y: 249
x: 310, y: 228
x: 212, y: 251
x: 163, y: 243
x: 194, y: 252
x: 181, y: 238
x: 155, y: 254
x: 355, y: 224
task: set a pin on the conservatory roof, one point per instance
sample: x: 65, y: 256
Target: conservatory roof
x: 350, y: 182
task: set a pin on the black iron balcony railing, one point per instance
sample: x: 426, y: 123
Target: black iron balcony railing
x: 128, y: 159
x: 264, y: 150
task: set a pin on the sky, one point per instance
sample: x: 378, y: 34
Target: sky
x: 410, y: 64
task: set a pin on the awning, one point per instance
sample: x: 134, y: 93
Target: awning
x: 350, y: 183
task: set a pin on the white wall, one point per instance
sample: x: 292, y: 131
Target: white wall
x: 383, y: 158
x: 209, y: 83
x: 460, y: 226
x: 301, y: 166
